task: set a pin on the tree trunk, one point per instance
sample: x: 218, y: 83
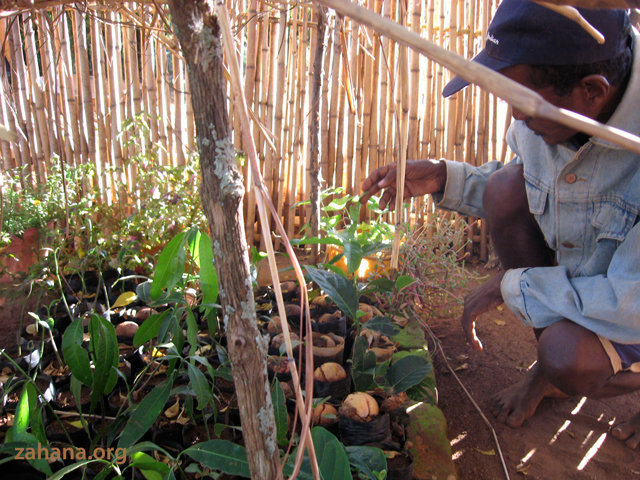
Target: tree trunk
x: 222, y: 191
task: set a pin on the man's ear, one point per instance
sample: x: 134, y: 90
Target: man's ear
x: 595, y: 90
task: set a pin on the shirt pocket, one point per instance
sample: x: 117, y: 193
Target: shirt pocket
x: 612, y: 222
x: 537, y: 199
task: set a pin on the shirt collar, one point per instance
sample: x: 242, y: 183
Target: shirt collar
x: 627, y: 115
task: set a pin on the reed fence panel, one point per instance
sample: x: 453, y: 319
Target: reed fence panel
x: 77, y: 74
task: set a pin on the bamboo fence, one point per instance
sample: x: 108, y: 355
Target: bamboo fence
x: 75, y: 74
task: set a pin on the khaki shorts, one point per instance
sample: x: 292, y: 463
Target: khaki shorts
x: 623, y: 357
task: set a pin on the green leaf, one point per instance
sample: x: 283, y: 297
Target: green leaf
x: 104, y: 349
x: 338, y: 288
x: 170, y: 266
x: 407, y: 372
x: 146, y: 413
x: 22, y: 415
x: 364, y: 364
x: 198, y: 382
x: 404, y: 281
x: 208, y: 273
x: 352, y: 251
x: 332, y: 459
x: 280, y: 413
x: 192, y: 331
x: 192, y: 240
x: 76, y: 357
x: 74, y: 466
x: 221, y: 455
x: 150, y: 468
x: 149, y: 328
x: 367, y: 460
x: 383, y: 325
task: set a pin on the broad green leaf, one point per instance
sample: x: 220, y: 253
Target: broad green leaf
x: 353, y: 253
x: 143, y: 291
x: 146, y: 413
x: 74, y: 466
x: 150, y: 468
x: 221, y: 455
x: 170, y: 266
x: 338, y: 288
x: 280, y: 413
x: 376, y: 247
x: 76, y: 357
x: 192, y: 331
x: 37, y: 425
x: 404, y: 281
x: 199, y: 384
x: 383, y: 325
x: 317, y: 241
x: 382, y: 285
x: 149, y: 328
x: 208, y: 274
x: 332, y: 459
x: 104, y: 349
x: 22, y: 415
x: 193, y: 238
x: 367, y: 460
x: 125, y: 299
x: 364, y: 364
x: 407, y: 372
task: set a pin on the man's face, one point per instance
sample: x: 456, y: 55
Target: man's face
x: 551, y: 132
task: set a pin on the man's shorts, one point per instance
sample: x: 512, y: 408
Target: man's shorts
x: 623, y: 357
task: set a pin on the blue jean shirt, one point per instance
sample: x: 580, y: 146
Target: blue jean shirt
x: 587, y: 203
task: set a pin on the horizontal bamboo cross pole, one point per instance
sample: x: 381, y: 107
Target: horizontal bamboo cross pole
x: 525, y: 100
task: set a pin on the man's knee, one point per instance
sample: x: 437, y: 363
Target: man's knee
x: 505, y: 196
x: 572, y: 358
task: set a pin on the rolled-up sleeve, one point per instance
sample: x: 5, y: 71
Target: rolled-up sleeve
x: 465, y: 187
x: 607, y: 304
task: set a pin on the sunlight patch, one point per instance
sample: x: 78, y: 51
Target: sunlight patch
x: 560, y: 430
x: 592, y: 451
x: 579, y: 406
x: 459, y: 438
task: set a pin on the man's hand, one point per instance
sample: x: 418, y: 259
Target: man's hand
x: 479, y: 301
x: 421, y: 177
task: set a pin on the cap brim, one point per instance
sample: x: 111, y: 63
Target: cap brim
x: 458, y: 83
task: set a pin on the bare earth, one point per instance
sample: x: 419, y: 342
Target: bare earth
x: 566, y: 439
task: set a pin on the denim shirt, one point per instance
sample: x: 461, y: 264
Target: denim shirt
x: 587, y: 203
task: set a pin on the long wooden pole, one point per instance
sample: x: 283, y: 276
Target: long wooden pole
x: 525, y: 100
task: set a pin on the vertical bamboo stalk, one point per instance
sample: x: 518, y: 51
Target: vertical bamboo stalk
x: 20, y: 100
x: 178, y: 107
x: 412, y: 142
x: 100, y: 89
x: 68, y: 90
x: 149, y: 68
x: 37, y: 101
x: 252, y: 47
x: 9, y: 153
x: 48, y: 60
x: 114, y: 49
x: 333, y: 147
x: 298, y: 157
x: 84, y: 84
x: 326, y: 169
x: 352, y: 34
x: 281, y: 92
x: 163, y: 104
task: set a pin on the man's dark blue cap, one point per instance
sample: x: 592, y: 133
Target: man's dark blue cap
x: 525, y: 33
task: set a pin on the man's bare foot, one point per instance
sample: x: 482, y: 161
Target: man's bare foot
x: 628, y: 432
x: 515, y: 404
